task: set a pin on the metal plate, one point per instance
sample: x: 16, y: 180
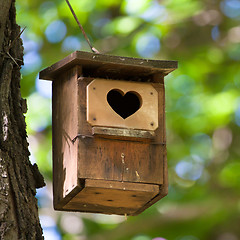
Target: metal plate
x: 100, y: 113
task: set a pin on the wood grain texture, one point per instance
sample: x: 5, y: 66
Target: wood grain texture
x: 91, y: 172
x: 112, y: 197
x: 107, y: 66
x: 123, y: 134
x: 101, y: 158
x: 65, y: 122
x: 120, y: 160
x: 164, y: 186
x: 100, y: 112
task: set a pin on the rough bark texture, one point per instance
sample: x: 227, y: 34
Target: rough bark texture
x: 18, y: 182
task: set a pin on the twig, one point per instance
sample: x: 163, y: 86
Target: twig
x: 10, y: 45
x: 12, y: 59
x: 94, y: 50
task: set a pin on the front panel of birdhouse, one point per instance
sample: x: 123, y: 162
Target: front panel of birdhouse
x: 121, y: 104
x: 109, y: 151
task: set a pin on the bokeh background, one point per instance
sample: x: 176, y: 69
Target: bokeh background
x: 202, y: 108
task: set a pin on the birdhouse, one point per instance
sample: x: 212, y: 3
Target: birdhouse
x: 109, y: 138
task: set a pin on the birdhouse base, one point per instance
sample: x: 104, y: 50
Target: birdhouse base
x: 111, y: 197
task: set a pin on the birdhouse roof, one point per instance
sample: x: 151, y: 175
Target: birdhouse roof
x: 113, y: 67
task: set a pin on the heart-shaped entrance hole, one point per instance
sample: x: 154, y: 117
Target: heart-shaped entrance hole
x: 124, y: 105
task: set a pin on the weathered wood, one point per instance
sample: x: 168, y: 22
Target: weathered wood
x: 101, y: 158
x: 98, y: 158
x: 107, y: 66
x: 94, y: 162
x: 100, y: 112
x: 65, y: 122
x: 112, y: 197
x: 164, y: 187
x: 123, y: 133
x: 117, y: 160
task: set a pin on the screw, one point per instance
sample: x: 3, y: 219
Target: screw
x: 151, y: 93
x: 94, y: 119
x: 94, y: 88
x: 152, y: 123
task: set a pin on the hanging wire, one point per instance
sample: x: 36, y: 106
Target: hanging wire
x: 94, y: 50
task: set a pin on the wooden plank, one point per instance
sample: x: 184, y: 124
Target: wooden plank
x: 107, y: 65
x: 60, y: 204
x: 123, y: 133
x: 100, y: 158
x: 125, y: 186
x: 119, y: 197
x: 160, y: 132
x: 118, y: 160
x: 65, y: 122
x: 95, y: 208
x: 164, y: 187
x: 101, y: 113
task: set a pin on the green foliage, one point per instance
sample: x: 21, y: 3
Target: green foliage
x: 202, y: 107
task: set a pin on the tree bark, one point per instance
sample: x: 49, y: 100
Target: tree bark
x: 18, y: 205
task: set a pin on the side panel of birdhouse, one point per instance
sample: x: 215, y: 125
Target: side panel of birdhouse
x: 116, y: 158
x: 164, y: 187
x: 65, y: 121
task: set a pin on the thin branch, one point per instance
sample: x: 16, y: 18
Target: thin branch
x: 16, y: 38
x: 10, y: 46
x: 13, y: 59
x: 94, y: 50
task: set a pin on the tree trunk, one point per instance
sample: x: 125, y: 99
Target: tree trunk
x: 18, y: 178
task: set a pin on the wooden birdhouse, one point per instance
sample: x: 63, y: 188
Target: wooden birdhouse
x: 109, y: 140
